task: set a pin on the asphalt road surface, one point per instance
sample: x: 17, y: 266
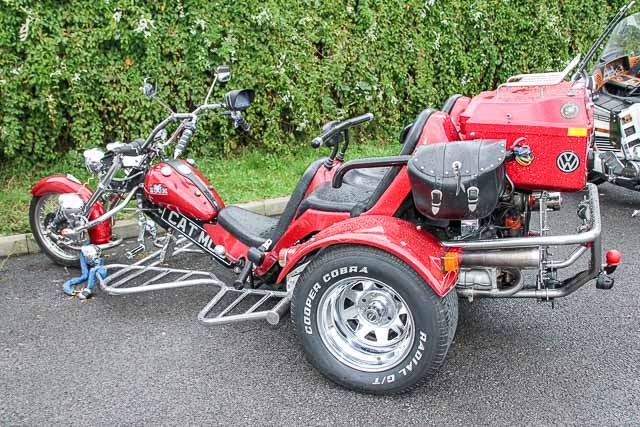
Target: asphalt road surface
x: 146, y: 360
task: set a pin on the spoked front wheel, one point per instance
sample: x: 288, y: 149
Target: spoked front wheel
x: 367, y: 321
x: 46, y: 226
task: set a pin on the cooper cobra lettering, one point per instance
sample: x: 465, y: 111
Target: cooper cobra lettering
x: 316, y: 287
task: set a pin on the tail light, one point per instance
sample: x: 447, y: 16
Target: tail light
x: 613, y: 259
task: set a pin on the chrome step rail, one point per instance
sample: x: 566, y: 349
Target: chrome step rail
x: 272, y: 315
x: 128, y: 272
x: 119, y: 275
x: 147, y: 275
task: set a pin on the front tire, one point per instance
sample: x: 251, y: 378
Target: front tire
x: 369, y: 322
x: 42, y: 210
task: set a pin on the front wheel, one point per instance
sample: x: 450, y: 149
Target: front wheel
x: 369, y: 322
x: 46, y: 226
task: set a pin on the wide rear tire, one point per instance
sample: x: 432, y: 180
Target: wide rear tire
x: 369, y: 322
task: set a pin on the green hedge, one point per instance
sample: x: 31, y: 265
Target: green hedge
x: 70, y: 70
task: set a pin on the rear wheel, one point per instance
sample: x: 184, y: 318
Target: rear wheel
x: 46, y: 226
x: 369, y: 322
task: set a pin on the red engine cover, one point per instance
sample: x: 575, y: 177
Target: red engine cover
x: 178, y: 186
x: 555, y: 121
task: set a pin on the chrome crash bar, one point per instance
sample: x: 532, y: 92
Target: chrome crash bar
x: 594, y: 226
x: 589, y: 239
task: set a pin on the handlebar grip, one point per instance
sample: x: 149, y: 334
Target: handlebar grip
x: 242, y: 124
x: 362, y: 119
x: 130, y: 149
x: 182, y: 143
x: 317, y: 142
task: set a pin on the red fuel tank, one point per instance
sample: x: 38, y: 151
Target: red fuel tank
x: 176, y: 185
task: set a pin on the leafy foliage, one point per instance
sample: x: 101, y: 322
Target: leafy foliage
x: 70, y: 71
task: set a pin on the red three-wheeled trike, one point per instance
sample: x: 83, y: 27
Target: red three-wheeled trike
x: 371, y: 255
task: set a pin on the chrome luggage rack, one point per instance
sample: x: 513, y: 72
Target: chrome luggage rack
x: 541, y: 79
x: 229, y: 305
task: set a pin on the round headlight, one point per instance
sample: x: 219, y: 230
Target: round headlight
x: 93, y: 160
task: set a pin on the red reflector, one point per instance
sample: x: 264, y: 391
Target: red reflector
x: 613, y: 257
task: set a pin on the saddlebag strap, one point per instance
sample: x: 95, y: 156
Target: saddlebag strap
x: 473, y: 194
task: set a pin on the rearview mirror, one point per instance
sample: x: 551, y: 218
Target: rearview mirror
x: 149, y: 87
x: 223, y: 73
x: 238, y: 100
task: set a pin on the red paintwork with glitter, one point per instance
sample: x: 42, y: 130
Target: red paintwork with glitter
x: 533, y: 116
x: 234, y: 248
x: 458, y: 108
x: 417, y: 248
x: 182, y: 194
x: 308, y: 223
x: 323, y: 175
x: 439, y: 128
x: 101, y: 233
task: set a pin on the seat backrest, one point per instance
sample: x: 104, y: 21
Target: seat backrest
x: 439, y: 129
x: 295, y: 199
x: 458, y: 108
x: 413, y: 136
x: 408, y: 148
x: 447, y: 107
x: 454, y: 106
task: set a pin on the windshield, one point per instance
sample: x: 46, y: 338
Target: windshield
x: 624, y: 39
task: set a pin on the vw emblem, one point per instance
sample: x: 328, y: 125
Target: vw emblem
x: 568, y: 161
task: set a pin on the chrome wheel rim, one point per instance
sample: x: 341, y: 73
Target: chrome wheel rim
x: 46, y: 207
x: 365, y: 324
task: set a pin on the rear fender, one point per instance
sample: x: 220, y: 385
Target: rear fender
x: 417, y: 248
x: 101, y: 233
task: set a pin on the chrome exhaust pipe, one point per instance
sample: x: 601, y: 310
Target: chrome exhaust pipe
x: 508, y: 258
x: 515, y: 288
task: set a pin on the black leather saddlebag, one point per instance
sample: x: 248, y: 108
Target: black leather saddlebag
x: 458, y: 180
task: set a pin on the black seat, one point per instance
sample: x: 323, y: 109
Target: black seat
x: 329, y: 199
x: 370, y: 178
x: 250, y: 228
x: 361, y: 188
x: 254, y: 229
